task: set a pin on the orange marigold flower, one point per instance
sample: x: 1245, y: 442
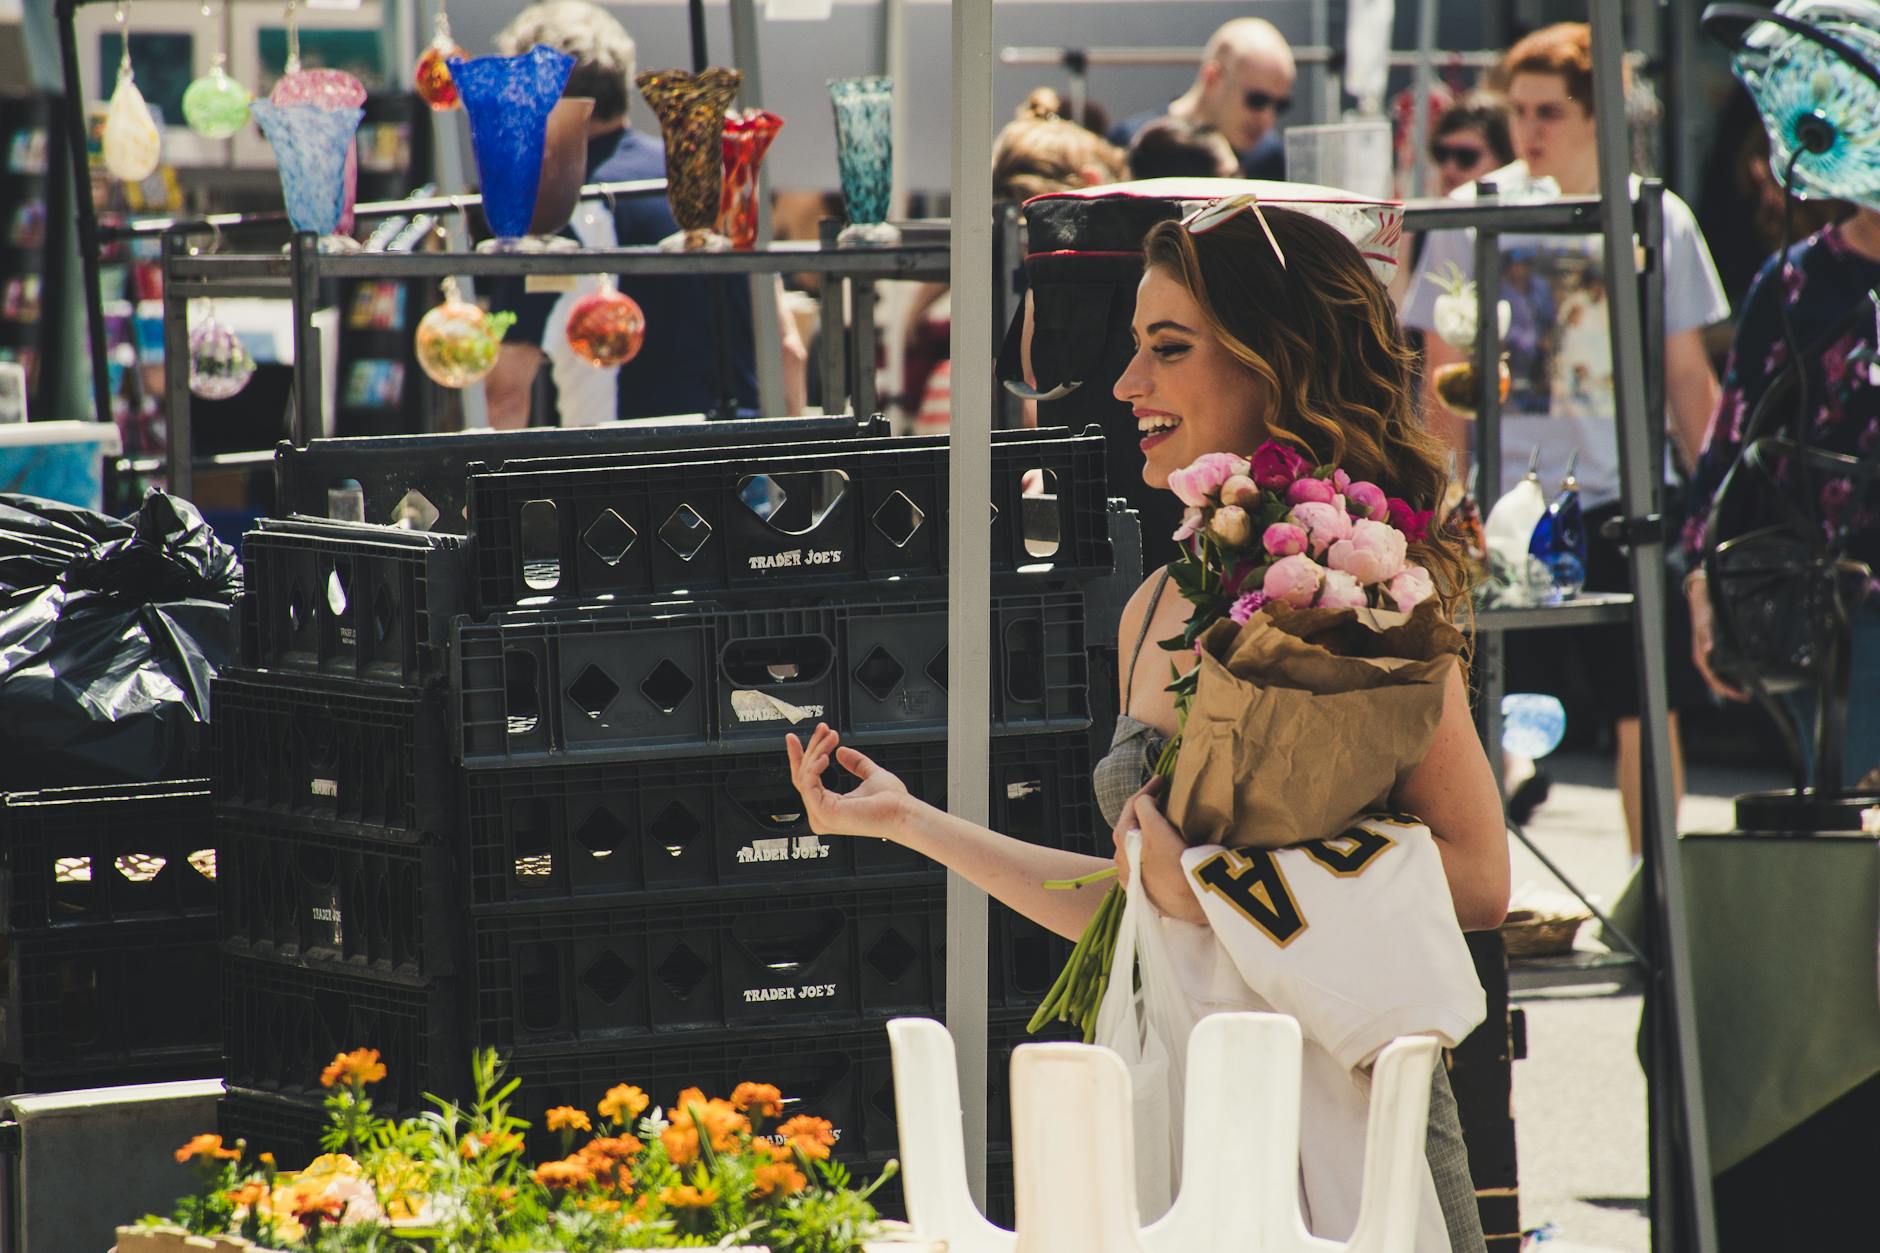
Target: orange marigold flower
x: 722, y: 1120
x: 481, y: 1142
x: 613, y: 1148
x: 813, y: 1137
x: 600, y: 1204
x: 250, y: 1194
x: 681, y: 1144
x: 778, y: 1177
x: 758, y: 1098
x: 572, y: 1173
x: 359, y: 1067
x: 623, y: 1103
x: 208, y: 1147
x: 767, y: 1147
x: 685, y: 1196
x: 568, y: 1118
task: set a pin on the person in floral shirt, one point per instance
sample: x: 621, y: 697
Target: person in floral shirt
x: 1824, y: 282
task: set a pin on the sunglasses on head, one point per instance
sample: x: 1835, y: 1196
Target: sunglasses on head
x: 1457, y: 154
x: 1209, y: 216
x: 1258, y: 101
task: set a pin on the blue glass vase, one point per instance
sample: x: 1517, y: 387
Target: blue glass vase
x: 509, y: 100
x: 1560, y: 539
x: 865, y: 157
x: 310, y: 148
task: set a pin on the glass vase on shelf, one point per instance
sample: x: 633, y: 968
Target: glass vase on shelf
x: 509, y: 100
x: 310, y: 146
x: 1559, y: 540
x: 331, y: 90
x: 691, y: 110
x: 748, y: 134
x: 564, y: 169
x: 865, y: 159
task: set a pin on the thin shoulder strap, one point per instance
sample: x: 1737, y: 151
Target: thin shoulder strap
x: 1142, y: 636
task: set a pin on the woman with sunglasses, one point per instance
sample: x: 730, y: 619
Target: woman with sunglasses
x: 1471, y: 139
x: 1249, y: 326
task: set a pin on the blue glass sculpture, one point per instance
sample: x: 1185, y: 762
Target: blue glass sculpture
x: 1560, y: 539
x: 865, y: 157
x: 310, y: 146
x: 1821, y: 112
x: 509, y: 100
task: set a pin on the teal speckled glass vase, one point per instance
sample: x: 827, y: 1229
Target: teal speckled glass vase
x: 865, y: 158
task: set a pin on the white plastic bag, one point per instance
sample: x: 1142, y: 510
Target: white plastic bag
x: 1148, y: 1026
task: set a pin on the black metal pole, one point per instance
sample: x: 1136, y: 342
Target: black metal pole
x: 87, y: 213
x: 721, y: 312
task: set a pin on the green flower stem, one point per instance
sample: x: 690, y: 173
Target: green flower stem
x: 1095, y: 876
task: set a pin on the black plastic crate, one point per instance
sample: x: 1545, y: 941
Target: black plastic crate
x: 282, y: 1026
x: 575, y: 831
x: 165, y: 1066
x: 352, y: 758
x: 120, y: 993
x: 793, y: 516
x: 1025, y: 958
x: 609, y: 683
x: 830, y: 1074
x: 588, y: 975
x: 391, y: 910
x: 89, y: 855
x: 288, y: 1127
x: 352, y: 600
x: 419, y: 479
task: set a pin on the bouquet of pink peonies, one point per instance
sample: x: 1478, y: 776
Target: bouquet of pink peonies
x: 1323, y: 659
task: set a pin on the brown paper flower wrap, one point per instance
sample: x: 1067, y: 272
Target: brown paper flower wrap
x: 1303, y: 719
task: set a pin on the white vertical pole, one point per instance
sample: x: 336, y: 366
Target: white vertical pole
x: 1425, y: 75
x: 894, y: 65
x: 969, y: 539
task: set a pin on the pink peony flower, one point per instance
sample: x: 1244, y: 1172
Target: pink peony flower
x: 1284, y: 539
x: 1276, y: 466
x: 1410, y: 587
x: 1240, y: 490
x: 1366, y: 500
x: 1414, y: 523
x: 1341, y: 592
x: 1231, y: 525
x: 1243, y: 609
x: 1373, y: 554
x: 1325, y: 524
x: 1341, y: 482
x: 1294, y: 579
x: 1304, y: 490
x: 1199, y: 483
x: 1191, y: 522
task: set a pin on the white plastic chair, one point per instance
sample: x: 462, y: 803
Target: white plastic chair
x: 1073, y: 1155
x: 933, y: 1147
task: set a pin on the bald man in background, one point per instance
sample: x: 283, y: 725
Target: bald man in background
x: 1243, y: 88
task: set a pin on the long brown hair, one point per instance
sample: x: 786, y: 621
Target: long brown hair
x: 1322, y: 335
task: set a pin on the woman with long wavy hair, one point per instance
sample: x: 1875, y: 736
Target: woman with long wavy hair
x: 1262, y: 325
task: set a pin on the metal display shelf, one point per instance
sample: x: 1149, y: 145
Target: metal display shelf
x: 1576, y: 970
x: 295, y: 274
x: 1598, y: 609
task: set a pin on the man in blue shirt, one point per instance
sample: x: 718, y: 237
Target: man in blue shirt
x: 1243, y: 88
x: 678, y: 368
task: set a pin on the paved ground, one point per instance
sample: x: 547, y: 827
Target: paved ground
x: 1579, y: 1096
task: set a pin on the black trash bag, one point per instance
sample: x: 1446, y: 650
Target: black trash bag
x: 105, y: 665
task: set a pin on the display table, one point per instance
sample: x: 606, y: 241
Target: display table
x: 1783, y: 933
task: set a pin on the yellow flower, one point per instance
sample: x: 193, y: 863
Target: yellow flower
x: 758, y: 1098
x: 568, y: 1118
x: 208, y: 1147
x: 571, y: 1173
x: 354, y: 1069
x: 778, y: 1177
x: 813, y: 1137
x: 331, y: 1164
x: 623, y: 1103
x: 687, y: 1197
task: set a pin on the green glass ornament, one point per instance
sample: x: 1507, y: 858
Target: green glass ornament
x: 215, y: 105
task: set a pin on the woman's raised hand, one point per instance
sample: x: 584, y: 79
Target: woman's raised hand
x: 876, y: 807
x: 1162, y: 846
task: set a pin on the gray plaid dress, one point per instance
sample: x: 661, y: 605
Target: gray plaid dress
x: 1119, y: 776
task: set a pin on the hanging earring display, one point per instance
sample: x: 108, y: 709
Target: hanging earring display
x: 219, y: 365
x: 215, y: 105
x: 457, y: 341
x: 132, y: 143
x: 606, y: 327
x: 432, y: 77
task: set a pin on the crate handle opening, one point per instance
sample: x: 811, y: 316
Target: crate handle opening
x: 686, y: 532
x: 202, y: 861
x: 796, y: 503
x: 541, y: 545
x: 879, y: 673
x: 414, y: 511
x: 1043, y: 530
x: 683, y: 972
x: 771, y: 803
x: 339, y: 587
x: 666, y: 687
x: 786, y: 659
x: 675, y: 829
x: 891, y: 956
x: 593, y: 691
x: 601, y: 833
x: 808, y: 936
x: 607, y: 977
x: 898, y: 519
x: 1024, y: 660
x: 610, y: 537
x: 522, y: 691
x: 297, y: 618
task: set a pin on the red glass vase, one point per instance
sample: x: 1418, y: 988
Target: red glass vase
x: 748, y: 133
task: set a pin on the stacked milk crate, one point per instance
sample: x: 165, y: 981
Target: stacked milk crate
x: 548, y: 768
x: 108, y: 966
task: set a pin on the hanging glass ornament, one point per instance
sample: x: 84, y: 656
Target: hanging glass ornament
x: 1560, y: 537
x: 606, y: 327
x: 215, y: 105
x: 132, y: 144
x: 432, y: 77
x: 219, y: 365
x: 457, y: 342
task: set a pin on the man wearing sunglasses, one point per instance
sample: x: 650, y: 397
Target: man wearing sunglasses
x: 1243, y: 89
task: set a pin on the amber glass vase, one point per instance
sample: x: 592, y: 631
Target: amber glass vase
x: 691, y: 111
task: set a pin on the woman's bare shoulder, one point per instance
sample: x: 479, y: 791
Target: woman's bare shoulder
x: 1130, y: 625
